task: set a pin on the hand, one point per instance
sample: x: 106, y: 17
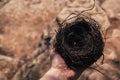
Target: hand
x: 59, y: 70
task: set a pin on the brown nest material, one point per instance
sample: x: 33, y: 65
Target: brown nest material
x: 80, y: 42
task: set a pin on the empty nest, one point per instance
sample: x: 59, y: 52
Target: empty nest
x: 80, y: 42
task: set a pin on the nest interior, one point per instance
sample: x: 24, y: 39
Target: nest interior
x: 79, y: 43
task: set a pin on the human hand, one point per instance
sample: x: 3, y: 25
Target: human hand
x: 59, y: 70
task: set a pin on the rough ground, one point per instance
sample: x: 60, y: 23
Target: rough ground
x: 22, y: 35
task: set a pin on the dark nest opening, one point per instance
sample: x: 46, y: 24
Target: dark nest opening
x: 79, y: 43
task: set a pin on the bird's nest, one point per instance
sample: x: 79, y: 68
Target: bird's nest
x: 79, y: 42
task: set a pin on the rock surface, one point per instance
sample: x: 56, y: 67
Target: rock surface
x: 23, y: 21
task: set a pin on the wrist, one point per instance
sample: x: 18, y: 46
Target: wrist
x: 63, y: 73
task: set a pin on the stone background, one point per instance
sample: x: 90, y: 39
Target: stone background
x: 23, y: 22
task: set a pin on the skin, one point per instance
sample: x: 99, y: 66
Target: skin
x: 59, y: 70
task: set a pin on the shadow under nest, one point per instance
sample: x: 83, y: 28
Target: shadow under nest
x: 80, y: 43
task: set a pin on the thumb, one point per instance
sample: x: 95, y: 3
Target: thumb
x: 57, y: 60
